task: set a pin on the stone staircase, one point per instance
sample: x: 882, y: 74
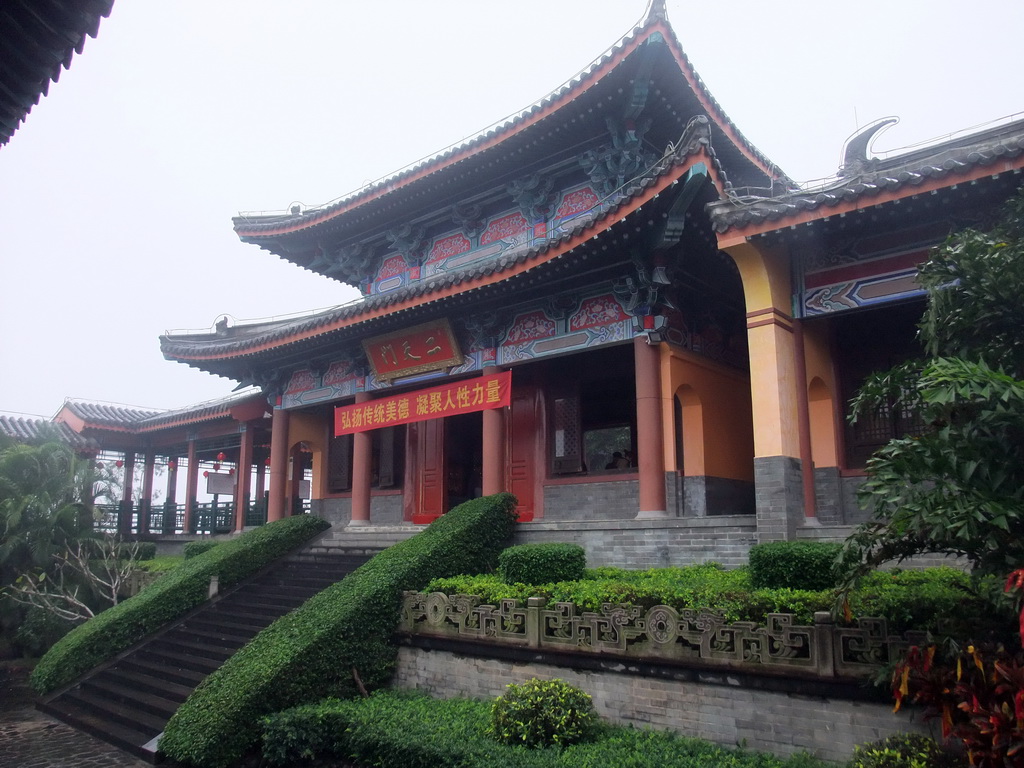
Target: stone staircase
x: 128, y: 703
x: 363, y: 538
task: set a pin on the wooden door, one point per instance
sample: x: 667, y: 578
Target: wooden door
x: 526, y: 451
x: 431, y: 480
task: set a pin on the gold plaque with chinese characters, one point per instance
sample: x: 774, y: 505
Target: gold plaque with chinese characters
x: 427, y: 347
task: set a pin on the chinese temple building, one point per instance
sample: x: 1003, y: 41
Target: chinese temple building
x: 613, y: 306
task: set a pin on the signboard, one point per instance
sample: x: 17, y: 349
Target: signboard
x: 464, y: 396
x: 427, y: 347
x: 220, y: 483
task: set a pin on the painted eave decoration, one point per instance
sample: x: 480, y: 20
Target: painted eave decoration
x: 205, y: 350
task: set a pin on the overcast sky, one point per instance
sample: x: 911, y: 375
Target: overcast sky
x: 116, y: 195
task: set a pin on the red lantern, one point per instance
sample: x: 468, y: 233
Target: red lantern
x: 172, y: 465
x: 206, y: 474
x: 119, y: 463
x: 216, y: 466
x: 221, y: 456
x: 231, y: 471
x: 267, y: 462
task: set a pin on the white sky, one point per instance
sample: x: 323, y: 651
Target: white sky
x: 116, y: 195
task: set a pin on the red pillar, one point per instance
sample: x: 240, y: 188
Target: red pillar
x: 146, y: 500
x: 191, y: 485
x: 278, y: 465
x: 126, y: 500
x: 494, y: 446
x: 362, y: 461
x: 243, y: 475
x: 649, y: 429
x: 171, y: 500
x: 803, y: 419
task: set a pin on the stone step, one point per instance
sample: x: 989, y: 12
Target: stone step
x: 129, y: 703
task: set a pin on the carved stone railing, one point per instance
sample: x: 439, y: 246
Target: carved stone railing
x: 662, y: 633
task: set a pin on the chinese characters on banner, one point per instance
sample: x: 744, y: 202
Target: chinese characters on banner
x: 427, y: 347
x: 464, y: 396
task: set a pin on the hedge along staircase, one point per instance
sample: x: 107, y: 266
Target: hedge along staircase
x: 128, y: 702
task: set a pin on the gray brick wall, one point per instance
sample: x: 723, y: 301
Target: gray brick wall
x: 615, y: 500
x: 384, y: 510
x: 725, y: 714
x: 651, y: 543
x: 778, y: 491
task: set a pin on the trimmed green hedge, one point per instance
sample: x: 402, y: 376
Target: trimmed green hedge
x: 392, y: 728
x: 312, y: 652
x: 924, y: 600
x: 173, y: 595
x: 794, y: 565
x: 542, y: 563
x: 196, y: 548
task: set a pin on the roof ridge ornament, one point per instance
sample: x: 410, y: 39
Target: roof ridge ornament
x: 655, y: 10
x: 855, y: 153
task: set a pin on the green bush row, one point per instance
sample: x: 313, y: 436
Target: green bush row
x: 922, y: 600
x: 316, y: 650
x: 174, y: 594
x: 196, y: 548
x: 542, y: 563
x: 413, y: 731
x: 794, y: 565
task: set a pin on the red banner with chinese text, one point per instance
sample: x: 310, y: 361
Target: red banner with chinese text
x: 466, y: 396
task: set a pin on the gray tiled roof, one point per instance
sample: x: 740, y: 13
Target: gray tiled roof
x: 255, y: 226
x: 141, y: 420
x: 860, y: 181
x: 27, y: 429
x: 37, y: 40
x: 230, y: 341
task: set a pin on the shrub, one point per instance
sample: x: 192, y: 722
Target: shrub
x: 542, y: 563
x: 977, y: 693
x: 173, y: 595
x: 146, y: 550
x: 794, y: 564
x: 196, y: 548
x: 905, y: 750
x: 542, y: 713
x: 317, y: 650
x: 395, y: 728
x: 928, y: 600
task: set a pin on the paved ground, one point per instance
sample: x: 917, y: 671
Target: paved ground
x: 30, y: 739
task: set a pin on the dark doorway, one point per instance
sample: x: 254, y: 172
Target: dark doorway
x: 463, y: 457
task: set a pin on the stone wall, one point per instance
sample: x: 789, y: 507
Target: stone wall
x: 385, y: 509
x: 710, y: 706
x: 651, y: 543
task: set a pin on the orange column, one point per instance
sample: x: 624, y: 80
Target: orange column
x: 146, y: 500
x: 191, y: 485
x: 650, y: 430
x: 278, y: 465
x: 243, y: 476
x: 494, y: 446
x: 362, y: 460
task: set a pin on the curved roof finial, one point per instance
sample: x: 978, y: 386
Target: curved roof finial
x: 655, y: 10
x: 855, y: 153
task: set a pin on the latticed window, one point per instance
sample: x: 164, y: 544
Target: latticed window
x: 339, y: 464
x: 567, y: 449
x: 872, y: 431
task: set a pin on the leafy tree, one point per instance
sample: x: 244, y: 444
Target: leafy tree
x: 959, y: 488
x: 45, y: 503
